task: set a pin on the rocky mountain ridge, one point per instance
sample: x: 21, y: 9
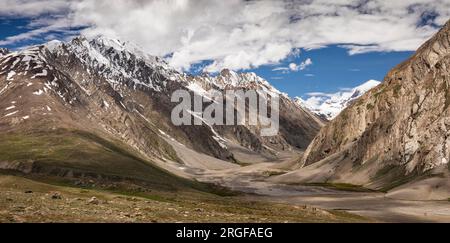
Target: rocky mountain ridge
x: 116, y: 92
x: 397, y: 133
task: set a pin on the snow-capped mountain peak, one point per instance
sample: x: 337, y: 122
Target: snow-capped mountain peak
x: 363, y: 88
x: 229, y: 79
x: 118, y: 62
x: 329, y: 106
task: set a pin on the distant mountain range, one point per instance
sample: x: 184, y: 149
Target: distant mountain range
x: 329, y: 106
x: 112, y: 98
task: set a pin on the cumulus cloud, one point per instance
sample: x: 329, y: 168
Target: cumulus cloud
x: 240, y: 34
x: 294, y: 67
x: 305, y: 64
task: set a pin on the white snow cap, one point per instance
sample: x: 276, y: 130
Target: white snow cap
x: 330, y: 105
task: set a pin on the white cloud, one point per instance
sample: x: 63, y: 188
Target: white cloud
x: 276, y: 78
x: 32, y: 8
x: 319, y: 94
x: 305, y: 64
x: 58, y: 25
x: 238, y: 34
x: 293, y: 67
x: 280, y: 69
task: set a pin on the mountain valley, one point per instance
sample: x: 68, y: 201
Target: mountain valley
x: 86, y: 124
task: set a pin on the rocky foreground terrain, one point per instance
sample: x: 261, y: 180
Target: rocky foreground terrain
x: 25, y: 200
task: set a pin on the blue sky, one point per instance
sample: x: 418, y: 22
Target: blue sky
x: 332, y: 69
x: 259, y: 36
x: 11, y: 27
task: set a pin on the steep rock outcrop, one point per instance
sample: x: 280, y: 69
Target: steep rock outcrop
x: 398, y: 131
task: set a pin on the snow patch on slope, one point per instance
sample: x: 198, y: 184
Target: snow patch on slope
x: 10, y: 76
x: 10, y: 114
x: 9, y: 108
x: 41, y: 74
x: 39, y: 92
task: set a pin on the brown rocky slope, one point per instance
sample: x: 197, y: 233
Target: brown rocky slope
x: 397, y: 133
x: 103, y: 107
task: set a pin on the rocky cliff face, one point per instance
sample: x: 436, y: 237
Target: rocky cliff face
x: 397, y: 131
x: 117, y: 92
